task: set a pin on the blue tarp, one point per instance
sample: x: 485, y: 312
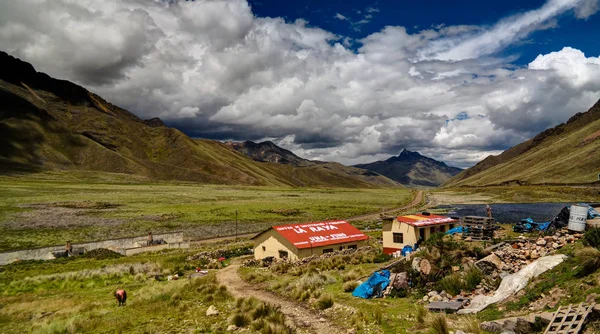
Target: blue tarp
x: 528, y: 225
x: 458, y: 229
x: 374, y: 285
x: 406, y: 249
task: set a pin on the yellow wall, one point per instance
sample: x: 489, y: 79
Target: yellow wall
x: 389, y: 228
x: 274, y: 242
x: 411, y: 233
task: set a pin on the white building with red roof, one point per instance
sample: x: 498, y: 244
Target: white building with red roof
x: 408, y: 230
x: 296, y: 241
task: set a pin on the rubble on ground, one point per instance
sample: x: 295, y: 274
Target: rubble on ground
x: 508, y: 258
x: 517, y: 255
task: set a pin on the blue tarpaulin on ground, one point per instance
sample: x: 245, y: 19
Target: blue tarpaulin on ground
x: 458, y: 229
x: 528, y: 225
x: 405, y: 250
x: 374, y: 286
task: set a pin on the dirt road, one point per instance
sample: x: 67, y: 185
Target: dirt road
x: 305, y: 320
x: 373, y: 216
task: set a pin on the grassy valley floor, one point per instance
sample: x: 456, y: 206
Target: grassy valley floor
x: 48, y: 208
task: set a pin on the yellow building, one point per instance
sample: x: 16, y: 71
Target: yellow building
x: 297, y: 241
x: 408, y: 230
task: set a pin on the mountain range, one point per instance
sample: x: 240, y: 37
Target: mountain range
x: 566, y: 154
x: 51, y: 124
x: 413, y: 169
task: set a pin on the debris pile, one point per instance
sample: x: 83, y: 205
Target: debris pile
x: 517, y: 255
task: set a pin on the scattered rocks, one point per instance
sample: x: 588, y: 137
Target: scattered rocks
x: 212, y: 310
x: 232, y: 328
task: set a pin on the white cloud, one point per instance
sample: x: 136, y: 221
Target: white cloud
x: 213, y: 69
x: 340, y: 17
x: 505, y: 32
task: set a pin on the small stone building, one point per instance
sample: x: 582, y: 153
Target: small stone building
x: 407, y: 230
x: 297, y: 241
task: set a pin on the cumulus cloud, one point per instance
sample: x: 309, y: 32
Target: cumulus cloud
x: 213, y: 69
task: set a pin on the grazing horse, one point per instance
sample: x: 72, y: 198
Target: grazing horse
x: 121, y: 296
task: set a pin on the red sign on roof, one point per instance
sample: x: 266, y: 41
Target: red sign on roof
x: 420, y: 220
x: 312, y: 235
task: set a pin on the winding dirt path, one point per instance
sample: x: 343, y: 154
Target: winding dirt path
x: 305, y: 320
x: 418, y: 198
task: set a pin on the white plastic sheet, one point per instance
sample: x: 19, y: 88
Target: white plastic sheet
x: 513, y: 283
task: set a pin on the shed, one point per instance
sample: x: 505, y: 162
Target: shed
x: 297, y: 241
x: 408, y: 230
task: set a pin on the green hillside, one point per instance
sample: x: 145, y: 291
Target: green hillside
x: 566, y: 154
x: 50, y: 124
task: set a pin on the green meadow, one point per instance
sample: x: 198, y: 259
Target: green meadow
x: 49, y: 208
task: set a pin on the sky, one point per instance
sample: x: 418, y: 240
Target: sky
x: 346, y: 81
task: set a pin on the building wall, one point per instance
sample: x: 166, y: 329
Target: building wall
x: 410, y: 236
x: 274, y: 242
x: 306, y: 252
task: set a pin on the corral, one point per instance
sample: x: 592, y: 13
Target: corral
x: 125, y: 246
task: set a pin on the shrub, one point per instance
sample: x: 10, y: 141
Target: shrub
x: 421, y: 314
x: 325, y: 301
x: 473, y: 276
x: 350, y: 286
x: 589, y: 258
x: 241, y: 320
x: 439, y: 324
x: 592, y: 237
x: 452, y: 284
x: 470, y: 324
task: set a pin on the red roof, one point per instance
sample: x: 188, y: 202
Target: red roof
x: 420, y: 220
x: 312, y: 235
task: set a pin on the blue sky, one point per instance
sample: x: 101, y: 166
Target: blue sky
x: 345, y: 81
x: 420, y: 15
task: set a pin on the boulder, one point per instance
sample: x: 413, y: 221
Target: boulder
x: 212, y: 310
x: 490, y: 263
x: 401, y: 281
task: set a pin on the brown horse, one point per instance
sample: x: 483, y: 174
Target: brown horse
x: 121, y: 296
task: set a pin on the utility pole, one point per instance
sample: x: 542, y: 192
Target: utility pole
x: 236, y: 220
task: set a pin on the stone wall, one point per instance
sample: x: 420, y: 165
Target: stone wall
x: 46, y: 253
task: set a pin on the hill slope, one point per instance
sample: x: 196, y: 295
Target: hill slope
x: 269, y: 152
x: 50, y: 124
x: 413, y: 169
x: 566, y: 154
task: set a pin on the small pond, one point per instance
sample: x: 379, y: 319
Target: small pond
x: 510, y: 212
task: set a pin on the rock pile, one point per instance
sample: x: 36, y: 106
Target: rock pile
x: 517, y: 255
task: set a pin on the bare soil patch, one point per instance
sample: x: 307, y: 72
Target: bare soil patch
x: 62, y: 215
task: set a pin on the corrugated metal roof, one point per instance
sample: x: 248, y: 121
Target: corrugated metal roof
x: 420, y: 220
x: 312, y: 235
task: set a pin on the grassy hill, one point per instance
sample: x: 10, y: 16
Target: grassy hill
x: 566, y: 154
x: 50, y: 124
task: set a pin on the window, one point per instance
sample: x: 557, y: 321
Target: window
x: 352, y: 246
x: 328, y: 250
x: 283, y: 254
x: 264, y: 249
x: 443, y: 228
x: 341, y: 247
x: 451, y: 226
x: 398, y: 238
x: 422, y: 233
